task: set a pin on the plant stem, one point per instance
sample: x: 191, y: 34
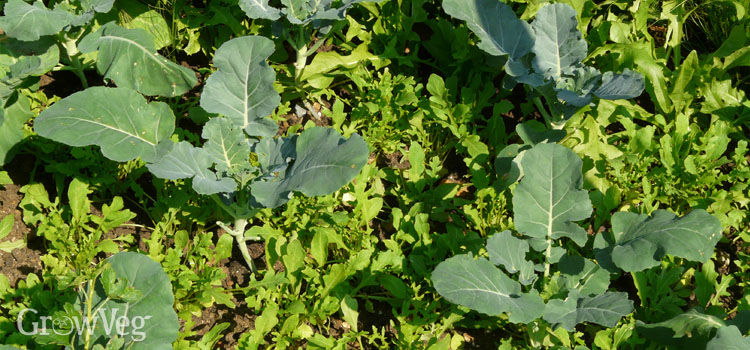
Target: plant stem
x: 299, y: 65
x: 538, y: 102
x: 238, y: 231
x: 89, y: 302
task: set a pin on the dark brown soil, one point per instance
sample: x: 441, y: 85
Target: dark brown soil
x: 64, y: 83
x: 240, y: 318
x: 394, y: 160
x: 311, y: 112
x: 20, y: 262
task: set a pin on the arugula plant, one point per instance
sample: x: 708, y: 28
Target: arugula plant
x: 125, y: 304
x: 241, y: 165
x: 306, y: 19
x: 546, y: 54
x: 552, y: 282
x: 73, y: 234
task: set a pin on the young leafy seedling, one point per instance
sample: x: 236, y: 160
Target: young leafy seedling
x: 241, y: 165
x: 307, y: 18
x: 546, y: 54
x: 547, y: 203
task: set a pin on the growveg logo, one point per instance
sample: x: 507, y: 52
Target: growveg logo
x: 104, y: 321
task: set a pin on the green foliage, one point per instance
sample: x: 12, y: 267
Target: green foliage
x: 128, y: 57
x: 298, y: 11
x: 28, y: 22
x: 87, y: 118
x: 547, y: 202
x: 547, y: 55
x: 75, y: 235
x: 641, y: 241
x: 613, y: 219
x: 126, y: 305
x: 241, y: 88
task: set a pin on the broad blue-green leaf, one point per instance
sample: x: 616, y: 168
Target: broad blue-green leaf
x: 549, y: 197
x: 479, y: 285
x: 259, y: 9
x: 641, y: 242
x: 510, y: 252
x: 576, y: 86
x: 324, y: 162
x: 533, y: 132
x: 558, y: 44
x: 97, y: 5
x: 28, y: 22
x: 495, y: 23
x: 692, y: 322
x: 153, y: 306
x: 226, y: 146
x: 506, y: 164
x: 151, y: 21
x: 242, y: 87
x: 129, y: 58
x: 605, y: 309
x: 301, y: 11
x: 305, y: 11
x: 185, y: 161
x: 628, y: 84
x: 275, y: 155
x: 691, y: 329
x: 11, y: 129
x: 583, y: 275
x: 44, y: 51
x: 728, y: 338
x: 118, y: 120
x: 520, y: 70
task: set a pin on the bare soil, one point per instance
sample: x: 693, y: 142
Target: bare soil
x: 20, y: 262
